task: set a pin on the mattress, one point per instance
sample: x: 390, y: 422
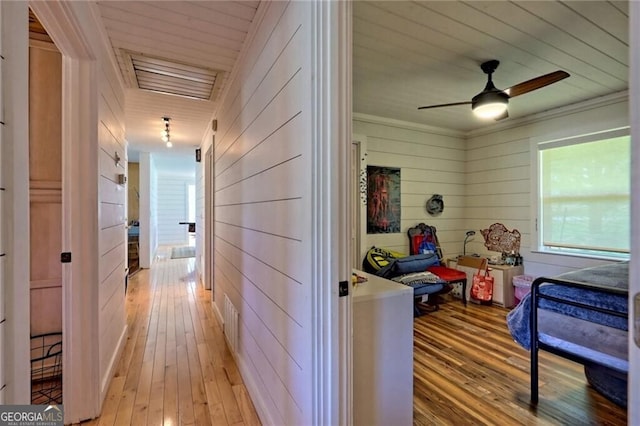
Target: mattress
x: 599, y: 337
x: 592, y: 329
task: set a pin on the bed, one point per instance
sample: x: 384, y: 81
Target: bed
x: 582, y: 316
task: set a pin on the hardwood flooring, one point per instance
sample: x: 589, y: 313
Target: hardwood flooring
x: 468, y: 370
x: 176, y: 368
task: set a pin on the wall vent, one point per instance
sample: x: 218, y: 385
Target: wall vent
x: 172, y: 78
x: 230, y: 318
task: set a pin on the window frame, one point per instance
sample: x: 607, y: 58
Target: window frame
x: 537, y: 146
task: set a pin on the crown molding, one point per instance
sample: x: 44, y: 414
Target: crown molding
x: 599, y: 102
x: 392, y: 122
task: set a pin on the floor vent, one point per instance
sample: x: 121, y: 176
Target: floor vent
x: 230, y: 319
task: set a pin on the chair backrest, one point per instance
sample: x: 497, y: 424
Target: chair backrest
x: 473, y: 262
x: 423, y: 239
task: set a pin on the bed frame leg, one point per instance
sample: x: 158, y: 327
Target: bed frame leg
x: 534, y: 341
x: 534, y: 375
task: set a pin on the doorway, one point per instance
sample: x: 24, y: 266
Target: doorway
x: 209, y: 236
x: 358, y: 169
x: 45, y: 215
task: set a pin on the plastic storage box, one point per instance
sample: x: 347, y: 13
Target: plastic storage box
x: 522, y: 284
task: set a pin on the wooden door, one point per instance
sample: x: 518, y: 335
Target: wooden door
x: 45, y: 187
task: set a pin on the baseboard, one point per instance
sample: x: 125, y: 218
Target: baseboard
x: 250, y: 384
x: 256, y: 397
x: 217, y: 312
x: 113, y: 363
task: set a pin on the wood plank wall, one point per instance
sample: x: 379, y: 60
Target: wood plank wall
x: 172, y: 196
x: 432, y: 161
x: 484, y: 176
x: 112, y: 221
x: 499, y: 182
x: 263, y: 215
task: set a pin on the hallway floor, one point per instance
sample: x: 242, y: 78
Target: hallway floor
x: 175, y: 368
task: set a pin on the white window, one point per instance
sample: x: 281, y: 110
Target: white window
x: 584, y: 195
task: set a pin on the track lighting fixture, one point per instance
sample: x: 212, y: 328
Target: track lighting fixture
x: 166, y: 133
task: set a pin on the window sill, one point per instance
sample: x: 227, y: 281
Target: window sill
x: 613, y: 258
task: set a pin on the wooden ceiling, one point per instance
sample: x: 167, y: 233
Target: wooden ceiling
x: 192, y: 35
x: 408, y: 54
x: 405, y: 54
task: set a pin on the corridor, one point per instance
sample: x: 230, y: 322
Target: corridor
x: 175, y: 368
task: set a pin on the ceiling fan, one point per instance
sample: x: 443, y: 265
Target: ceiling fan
x: 492, y: 102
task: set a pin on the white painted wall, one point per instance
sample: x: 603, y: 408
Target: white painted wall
x: 94, y: 281
x: 485, y: 176
x: 15, y: 221
x: 500, y: 182
x: 173, y: 173
x: 148, y: 210
x: 172, y: 208
x: 112, y: 216
x: 263, y: 236
x: 432, y: 161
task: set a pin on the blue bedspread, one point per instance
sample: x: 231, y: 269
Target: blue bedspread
x: 613, y: 275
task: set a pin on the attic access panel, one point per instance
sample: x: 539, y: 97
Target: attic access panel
x: 172, y: 78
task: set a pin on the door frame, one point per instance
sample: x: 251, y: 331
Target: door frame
x: 634, y: 266
x: 331, y: 118
x: 209, y: 219
x: 361, y: 141
x: 81, y: 381
x: 15, y: 170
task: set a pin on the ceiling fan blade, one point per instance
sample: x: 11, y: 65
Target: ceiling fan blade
x: 536, y: 83
x: 445, y: 105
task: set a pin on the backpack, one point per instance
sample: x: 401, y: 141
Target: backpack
x: 423, y: 240
x: 378, y: 258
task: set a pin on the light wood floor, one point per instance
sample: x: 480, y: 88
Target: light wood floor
x: 468, y: 370
x: 176, y: 368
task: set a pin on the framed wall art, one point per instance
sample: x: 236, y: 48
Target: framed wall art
x: 383, y: 200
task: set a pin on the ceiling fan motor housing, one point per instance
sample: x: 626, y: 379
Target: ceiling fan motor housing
x: 489, y: 96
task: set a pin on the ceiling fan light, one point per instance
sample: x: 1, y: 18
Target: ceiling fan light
x: 490, y: 110
x: 169, y: 144
x: 490, y: 104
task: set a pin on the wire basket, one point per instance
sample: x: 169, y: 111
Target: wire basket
x: 46, y: 368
